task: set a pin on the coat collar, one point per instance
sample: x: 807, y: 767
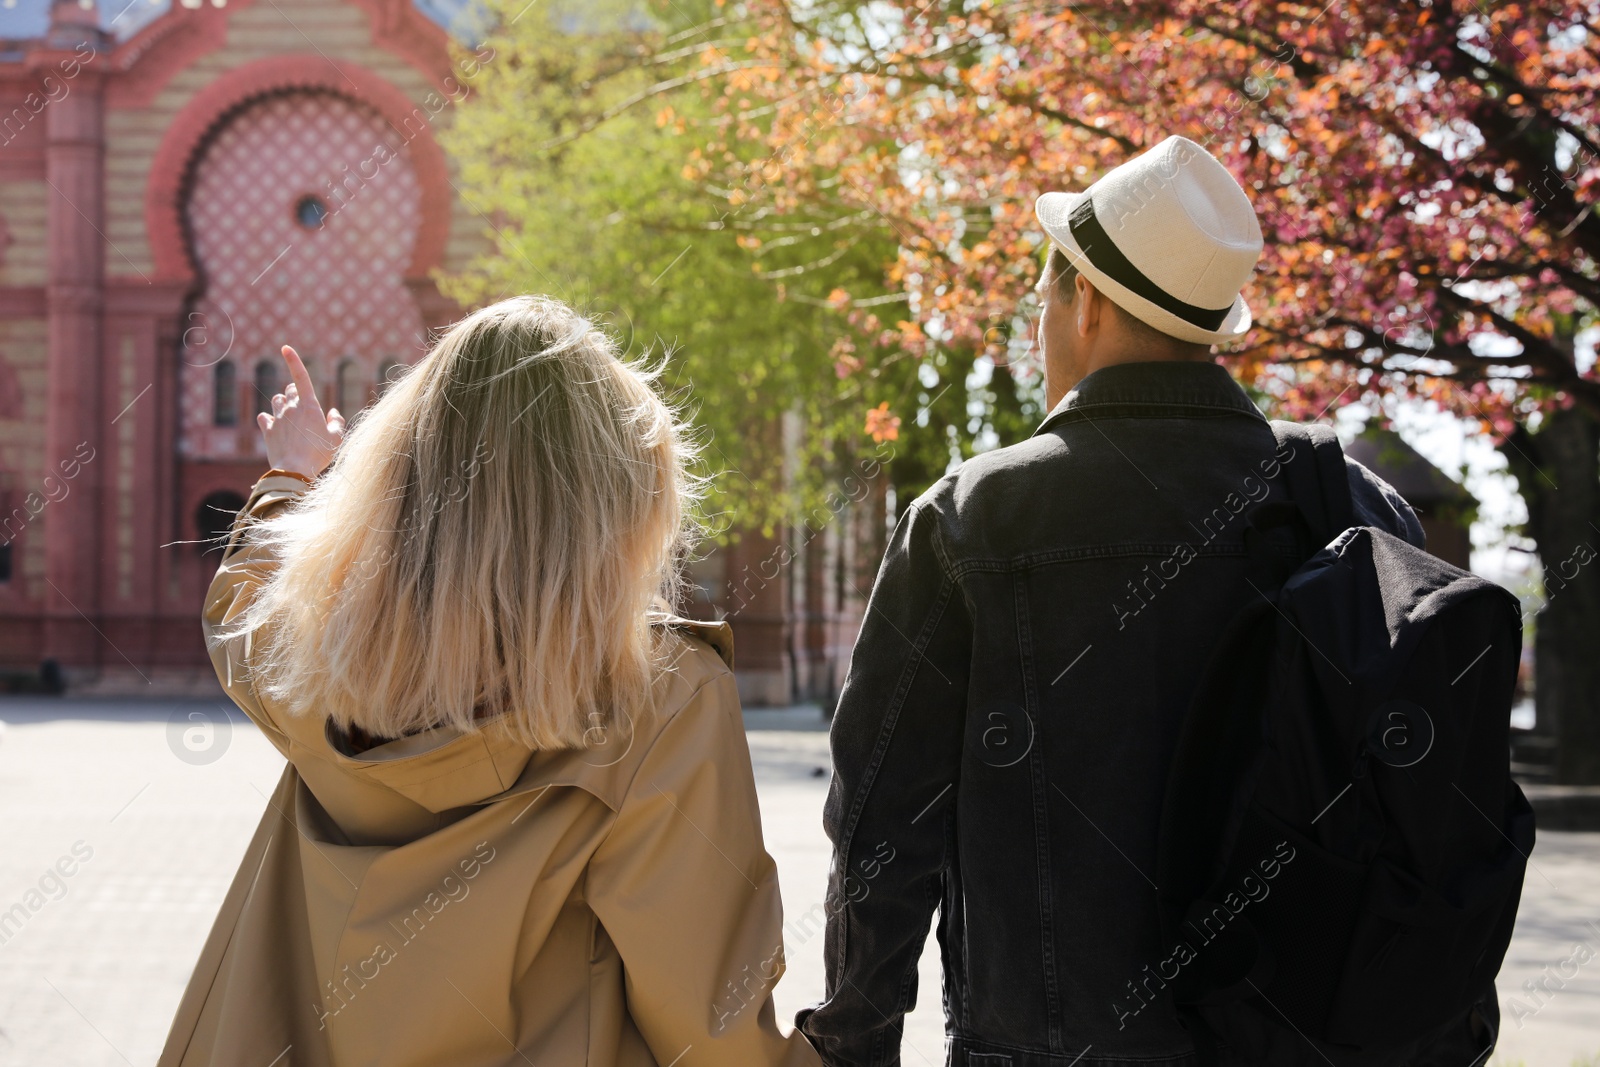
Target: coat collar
x: 1167, y: 383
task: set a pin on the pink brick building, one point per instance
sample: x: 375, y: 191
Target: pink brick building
x: 184, y: 186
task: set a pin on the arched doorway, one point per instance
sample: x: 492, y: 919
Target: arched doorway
x: 302, y: 213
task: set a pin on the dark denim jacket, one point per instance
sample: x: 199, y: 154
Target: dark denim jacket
x: 1002, y: 740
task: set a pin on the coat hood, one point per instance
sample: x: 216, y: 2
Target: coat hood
x: 446, y: 768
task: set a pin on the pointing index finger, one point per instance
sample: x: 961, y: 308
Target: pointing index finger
x: 300, y: 376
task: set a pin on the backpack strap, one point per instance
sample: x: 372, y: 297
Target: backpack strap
x: 1315, y: 476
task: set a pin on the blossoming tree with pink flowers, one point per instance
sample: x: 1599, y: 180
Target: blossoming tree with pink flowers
x: 1425, y: 174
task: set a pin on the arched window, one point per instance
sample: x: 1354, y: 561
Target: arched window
x: 389, y: 372
x: 215, y: 517
x: 266, y: 385
x: 349, y: 392
x: 225, y: 394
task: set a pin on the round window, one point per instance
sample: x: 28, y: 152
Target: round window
x: 311, y: 212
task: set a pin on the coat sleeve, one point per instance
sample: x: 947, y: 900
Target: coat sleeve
x: 896, y: 740
x: 245, y: 565
x: 686, y: 891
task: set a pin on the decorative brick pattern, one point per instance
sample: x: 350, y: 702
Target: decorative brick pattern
x: 334, y: 290
x: 171, y: 166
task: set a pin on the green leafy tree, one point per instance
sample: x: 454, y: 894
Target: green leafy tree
x: 577, y: 141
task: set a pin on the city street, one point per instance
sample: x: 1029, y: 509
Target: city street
x: 92, y: 967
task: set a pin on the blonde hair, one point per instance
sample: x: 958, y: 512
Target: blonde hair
x: 488, y: 542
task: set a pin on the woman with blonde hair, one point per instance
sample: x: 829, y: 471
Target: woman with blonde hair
x: 519, y: 823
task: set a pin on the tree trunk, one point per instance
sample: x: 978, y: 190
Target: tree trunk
x: 1558, y: 473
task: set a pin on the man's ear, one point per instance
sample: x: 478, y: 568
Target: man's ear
x: 1086, y: 306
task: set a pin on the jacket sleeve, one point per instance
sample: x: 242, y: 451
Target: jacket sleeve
x: 896, y: 740
x: 685, y: 889
x: 245, y: 565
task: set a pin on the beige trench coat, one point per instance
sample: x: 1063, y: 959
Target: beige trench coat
x: 450, y: 899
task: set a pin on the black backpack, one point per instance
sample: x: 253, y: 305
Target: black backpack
x: 1342, y: 847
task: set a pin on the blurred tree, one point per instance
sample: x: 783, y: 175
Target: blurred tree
x: 577, y: 141
x: 566, y: 144
x: 1425, y: 173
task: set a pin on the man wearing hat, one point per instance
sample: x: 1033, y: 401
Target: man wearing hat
x: 1031, y: 645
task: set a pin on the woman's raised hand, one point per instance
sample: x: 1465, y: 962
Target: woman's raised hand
x: 298, y: 435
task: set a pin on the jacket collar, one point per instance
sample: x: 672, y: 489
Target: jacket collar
x: 1164, y: 384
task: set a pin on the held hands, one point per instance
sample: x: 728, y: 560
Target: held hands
x: 299, y: 437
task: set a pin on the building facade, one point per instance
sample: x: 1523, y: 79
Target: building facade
x: 184, y: 187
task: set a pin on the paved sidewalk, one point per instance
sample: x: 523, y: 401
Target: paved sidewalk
x: 92, y: 966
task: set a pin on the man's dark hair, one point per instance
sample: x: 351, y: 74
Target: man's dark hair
x: 1061, y: 275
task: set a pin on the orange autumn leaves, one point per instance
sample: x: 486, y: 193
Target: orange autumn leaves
x: 881, y: 425
x: 1412, y: 239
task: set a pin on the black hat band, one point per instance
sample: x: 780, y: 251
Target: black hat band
x: 1102, y: 251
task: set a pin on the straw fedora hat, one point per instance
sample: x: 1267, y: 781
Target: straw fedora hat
x: 1168, y: 236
